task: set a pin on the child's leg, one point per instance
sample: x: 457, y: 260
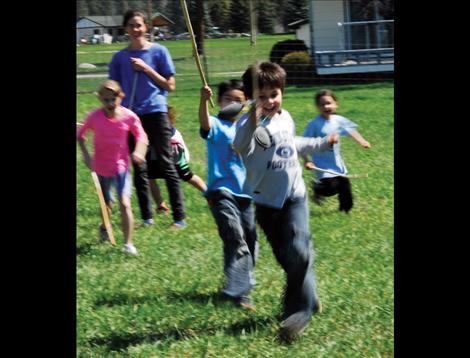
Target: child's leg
x: 123, y: 186
x: 141, y: 183
x: 198, y: 183
x: 156, y: 193
x: 345, y: 194
x: 127, y: 218
x: 249, y: 226
x: 325, y: 187
x: 288, y: 233
x: 106, y: 186
x: 238, y: 261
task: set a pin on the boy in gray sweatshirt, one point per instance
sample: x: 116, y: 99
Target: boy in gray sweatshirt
x: 266, y: 140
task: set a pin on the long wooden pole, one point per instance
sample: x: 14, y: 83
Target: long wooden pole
x: 104, y: 208
x: 187, y: 20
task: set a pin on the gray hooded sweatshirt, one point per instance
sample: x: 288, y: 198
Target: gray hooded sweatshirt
x: 274, y: 174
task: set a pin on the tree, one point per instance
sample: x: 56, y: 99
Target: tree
x: 265, y: 9
x: 219, y: 12
x: 174, y: 13
x: 294, y: 10
x: 82, y: 8
x: 239, y: 16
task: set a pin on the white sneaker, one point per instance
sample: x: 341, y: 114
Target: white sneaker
x: 129, y: 249
x: 148, y: 222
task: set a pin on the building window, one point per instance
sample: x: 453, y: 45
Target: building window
x: 374, y: 33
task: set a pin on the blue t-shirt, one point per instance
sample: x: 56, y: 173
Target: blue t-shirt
x: 225, y: 169
x: 329, y: 159
x: 148, y: 98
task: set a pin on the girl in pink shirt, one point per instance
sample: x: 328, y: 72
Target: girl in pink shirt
x: 111, y: 125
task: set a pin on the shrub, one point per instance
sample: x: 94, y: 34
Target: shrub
x: 299, y: 67
x: 282, y: 48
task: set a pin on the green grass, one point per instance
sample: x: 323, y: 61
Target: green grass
x: 164, y: 302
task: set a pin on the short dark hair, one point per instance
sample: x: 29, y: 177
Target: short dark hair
x: 324, y: 92
x: 229, y: 85
x: 131, y: 13
x: 269, y: 75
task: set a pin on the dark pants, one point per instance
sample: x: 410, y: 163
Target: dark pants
x: 287, y: 230
x: 235, y: 221
x: 158, y: 129
x: 333, y: 186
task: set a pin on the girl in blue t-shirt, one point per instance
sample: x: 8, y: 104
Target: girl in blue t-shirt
x: 146, y: 73
x: 327, y: 122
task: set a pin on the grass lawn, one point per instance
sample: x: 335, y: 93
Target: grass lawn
x: 164, y: 302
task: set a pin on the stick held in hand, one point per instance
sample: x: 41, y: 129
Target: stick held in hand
x: 187, y: 20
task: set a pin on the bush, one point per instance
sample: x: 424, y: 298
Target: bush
x: 282, y: 48
x: 299, y: 67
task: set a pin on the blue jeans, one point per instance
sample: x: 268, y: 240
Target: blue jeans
x: 287, y: 230
x: 122, y: 183
x: 235, y: 221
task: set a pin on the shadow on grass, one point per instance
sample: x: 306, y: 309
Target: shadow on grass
x: 121, y: 341
x: 121, y: 299
x: 84, y: 249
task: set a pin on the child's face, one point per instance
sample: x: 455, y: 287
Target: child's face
x: 270, y: 100
x: 110, y: 100
x: 327, y: 106
x: 230, y: 97
x: 136, y: 27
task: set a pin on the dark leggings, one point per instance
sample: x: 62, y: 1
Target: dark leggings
x: 158, y: 129
x: 333, y: 186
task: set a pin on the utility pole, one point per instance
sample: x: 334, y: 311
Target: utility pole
x: 149, y: 12
x: 252, y: 24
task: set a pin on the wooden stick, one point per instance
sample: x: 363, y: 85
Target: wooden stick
x: 351, y: 176
x: 104, y: 208
x: 193, y: 43
x: 134, y: 86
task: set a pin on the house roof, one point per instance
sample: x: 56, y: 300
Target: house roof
x: 158, y: 19
x: 296, y: 24
x: 106, y: 21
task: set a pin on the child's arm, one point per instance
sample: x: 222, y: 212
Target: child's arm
x: 138, y: 155
x: 86, y: 155
x: 358, y: 138
x: 309, y: 145
x: 308, y: 164
x: 204, y: 119
x: 81, y: 131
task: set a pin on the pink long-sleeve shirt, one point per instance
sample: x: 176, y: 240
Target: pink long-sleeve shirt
x: 111, y: 151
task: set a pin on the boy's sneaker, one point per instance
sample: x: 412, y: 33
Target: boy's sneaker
x: 129, y: 249
x: 243, y: 302
x: 163, y: 209
x: 148, y: 222
x: 293, y: 326
x: 181, y: 224
x: 103, y: 233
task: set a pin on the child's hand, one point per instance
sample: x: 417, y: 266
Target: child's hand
x: 206, y: 93
x: 333, y: 138
x: 137, y: 158
x: 87, y: 161
x: 309, y: 165
x: 365, y: 144
x: 139, y: 64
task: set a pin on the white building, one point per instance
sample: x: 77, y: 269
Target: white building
x: 346, y: 36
